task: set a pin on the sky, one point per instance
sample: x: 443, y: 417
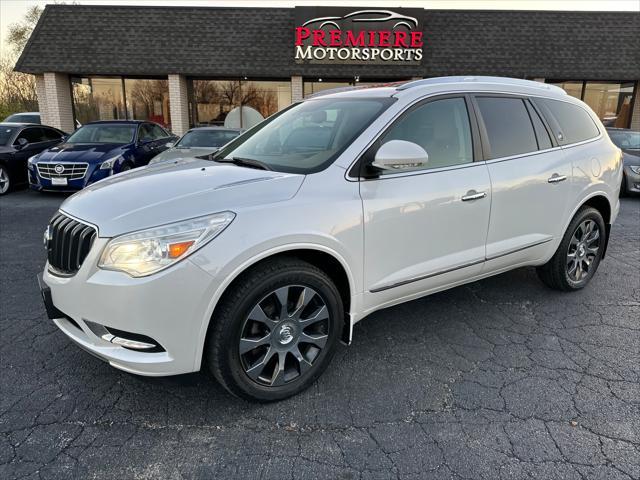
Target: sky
x: 12, y: 11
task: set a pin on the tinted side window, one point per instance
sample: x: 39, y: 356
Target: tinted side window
x: 31, y: 135
x: 51, y: 134
x: 440, y: 127
x: 576, y: 124
x: 158, y: 132
x: 544, y: 141
x: 145, y: 133
x: 508, y: 126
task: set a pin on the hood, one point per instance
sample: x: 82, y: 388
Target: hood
x: 81, y: 152
x: 630, y: 158
x: 163, y: 193
x: 174, y: 153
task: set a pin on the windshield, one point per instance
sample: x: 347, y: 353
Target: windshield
x: 206, y: 138
x: 103, y: 133
x: 6, y: 133
x: 308, y: 136
x: 23, y: 118
x: 625, y: 139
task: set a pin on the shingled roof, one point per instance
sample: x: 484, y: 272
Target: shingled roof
x: 258, y: 42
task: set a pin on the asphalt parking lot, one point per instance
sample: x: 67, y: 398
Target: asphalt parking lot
x: 502, y: 378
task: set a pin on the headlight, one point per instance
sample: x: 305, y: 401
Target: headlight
x: 148, y: 251
x: 635, y: 169
x: 31, y: 161
x: 108, y: 164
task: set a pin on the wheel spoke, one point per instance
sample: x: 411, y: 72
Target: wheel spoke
x: 257, y: 368
x: 319, y: 340
x: 258, y: 315
x: 278, y: 374
x: 595, y: 235
x: 321, y: 314
x: 302, y: 362
x: 248, y: 344
x: 592, y: 250
x: 572, y: 268
x: 283, y: 297
x: 306, y: 295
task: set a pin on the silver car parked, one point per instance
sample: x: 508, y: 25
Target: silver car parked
x: 258, y: 262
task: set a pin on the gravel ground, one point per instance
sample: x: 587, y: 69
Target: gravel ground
x: 501, y: 378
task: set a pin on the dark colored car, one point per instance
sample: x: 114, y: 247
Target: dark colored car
x: 629, y: 142
x: 199, y: 142
x: 95, y: 151
x: 18, y: 142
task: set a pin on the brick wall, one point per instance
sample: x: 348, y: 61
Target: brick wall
x: 297, y: 92
x: 178, y: 104
x: 58, y: 109
x: 42, y: 101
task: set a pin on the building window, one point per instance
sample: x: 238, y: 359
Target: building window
x: 148, y: 99
x: 611, y: 101
x: 310, y: 88
x: 97, y: 98
x: 236, y: 103
x: 115, y: 98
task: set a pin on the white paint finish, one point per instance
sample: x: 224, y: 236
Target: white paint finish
x: 526, y: 207
x: 384, y: 232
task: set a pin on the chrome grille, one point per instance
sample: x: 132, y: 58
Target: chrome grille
x: 70, y: 171
x: 69, y: 242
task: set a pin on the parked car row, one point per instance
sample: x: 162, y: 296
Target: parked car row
x: 50, y: 160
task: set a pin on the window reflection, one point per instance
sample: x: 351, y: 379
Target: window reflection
x: 611, y: 101
x: 148, y: 100
x: 97, y: 98
x: 237, y: 103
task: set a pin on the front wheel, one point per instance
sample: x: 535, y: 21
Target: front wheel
x: 579, y: 254
x: 5, y: 180
x: 275, y: 330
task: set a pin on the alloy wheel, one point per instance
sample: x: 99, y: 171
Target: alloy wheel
x: 4, y: 181
x: 583, y: 250
x: 283, y: 335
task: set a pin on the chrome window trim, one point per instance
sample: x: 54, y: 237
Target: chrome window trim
x: 350, y: 178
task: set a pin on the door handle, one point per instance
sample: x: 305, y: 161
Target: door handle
x: 555, y: 178
x: 473, y: 195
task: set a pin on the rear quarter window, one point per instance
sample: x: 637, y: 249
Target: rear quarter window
x: 576, y: 125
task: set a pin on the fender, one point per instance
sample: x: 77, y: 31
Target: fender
x: 580, y: 204
x: 252, y: 261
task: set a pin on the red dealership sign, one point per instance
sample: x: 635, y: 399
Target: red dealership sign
x: 363, y: 36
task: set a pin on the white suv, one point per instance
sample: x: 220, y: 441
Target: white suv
x: 258, y: 262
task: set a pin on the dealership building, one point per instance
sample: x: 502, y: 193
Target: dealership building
x: 187, y: 66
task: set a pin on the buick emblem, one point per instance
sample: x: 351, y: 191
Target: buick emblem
x: 286, y: 334
x: 59, y: 169
x: 48, y: 236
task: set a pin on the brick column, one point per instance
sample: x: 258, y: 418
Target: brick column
x: 178, y: 104
x: 297, y: 92
x: 635, y: 116
x: 539, y: 79
x: 58, y: 109
x: 42, y: 99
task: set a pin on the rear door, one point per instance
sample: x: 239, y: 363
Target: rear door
x: 530, y: 180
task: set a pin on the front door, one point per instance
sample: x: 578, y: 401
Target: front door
x: 426, y: 229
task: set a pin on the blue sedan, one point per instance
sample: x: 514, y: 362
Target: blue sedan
x: 96, y: 151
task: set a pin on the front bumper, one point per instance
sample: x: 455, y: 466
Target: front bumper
x: 169, y: 307
x: 632, y: 180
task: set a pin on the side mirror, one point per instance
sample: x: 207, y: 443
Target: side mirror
x: 169, y: 145
x: 400, y: 155
x: 22, y: 142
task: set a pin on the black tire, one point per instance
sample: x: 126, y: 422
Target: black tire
x: 232, y: 324
x: 557, y: 272
x: 125, y: 167
x: 5, y: 180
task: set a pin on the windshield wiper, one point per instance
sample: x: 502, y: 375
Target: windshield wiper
x: 245, y: 162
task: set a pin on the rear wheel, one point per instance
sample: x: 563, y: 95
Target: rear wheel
x: 276, y: 331
x: 579, y: 254
x: 5, y: 180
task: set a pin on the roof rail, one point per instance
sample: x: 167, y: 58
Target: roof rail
x: 481, y: 79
